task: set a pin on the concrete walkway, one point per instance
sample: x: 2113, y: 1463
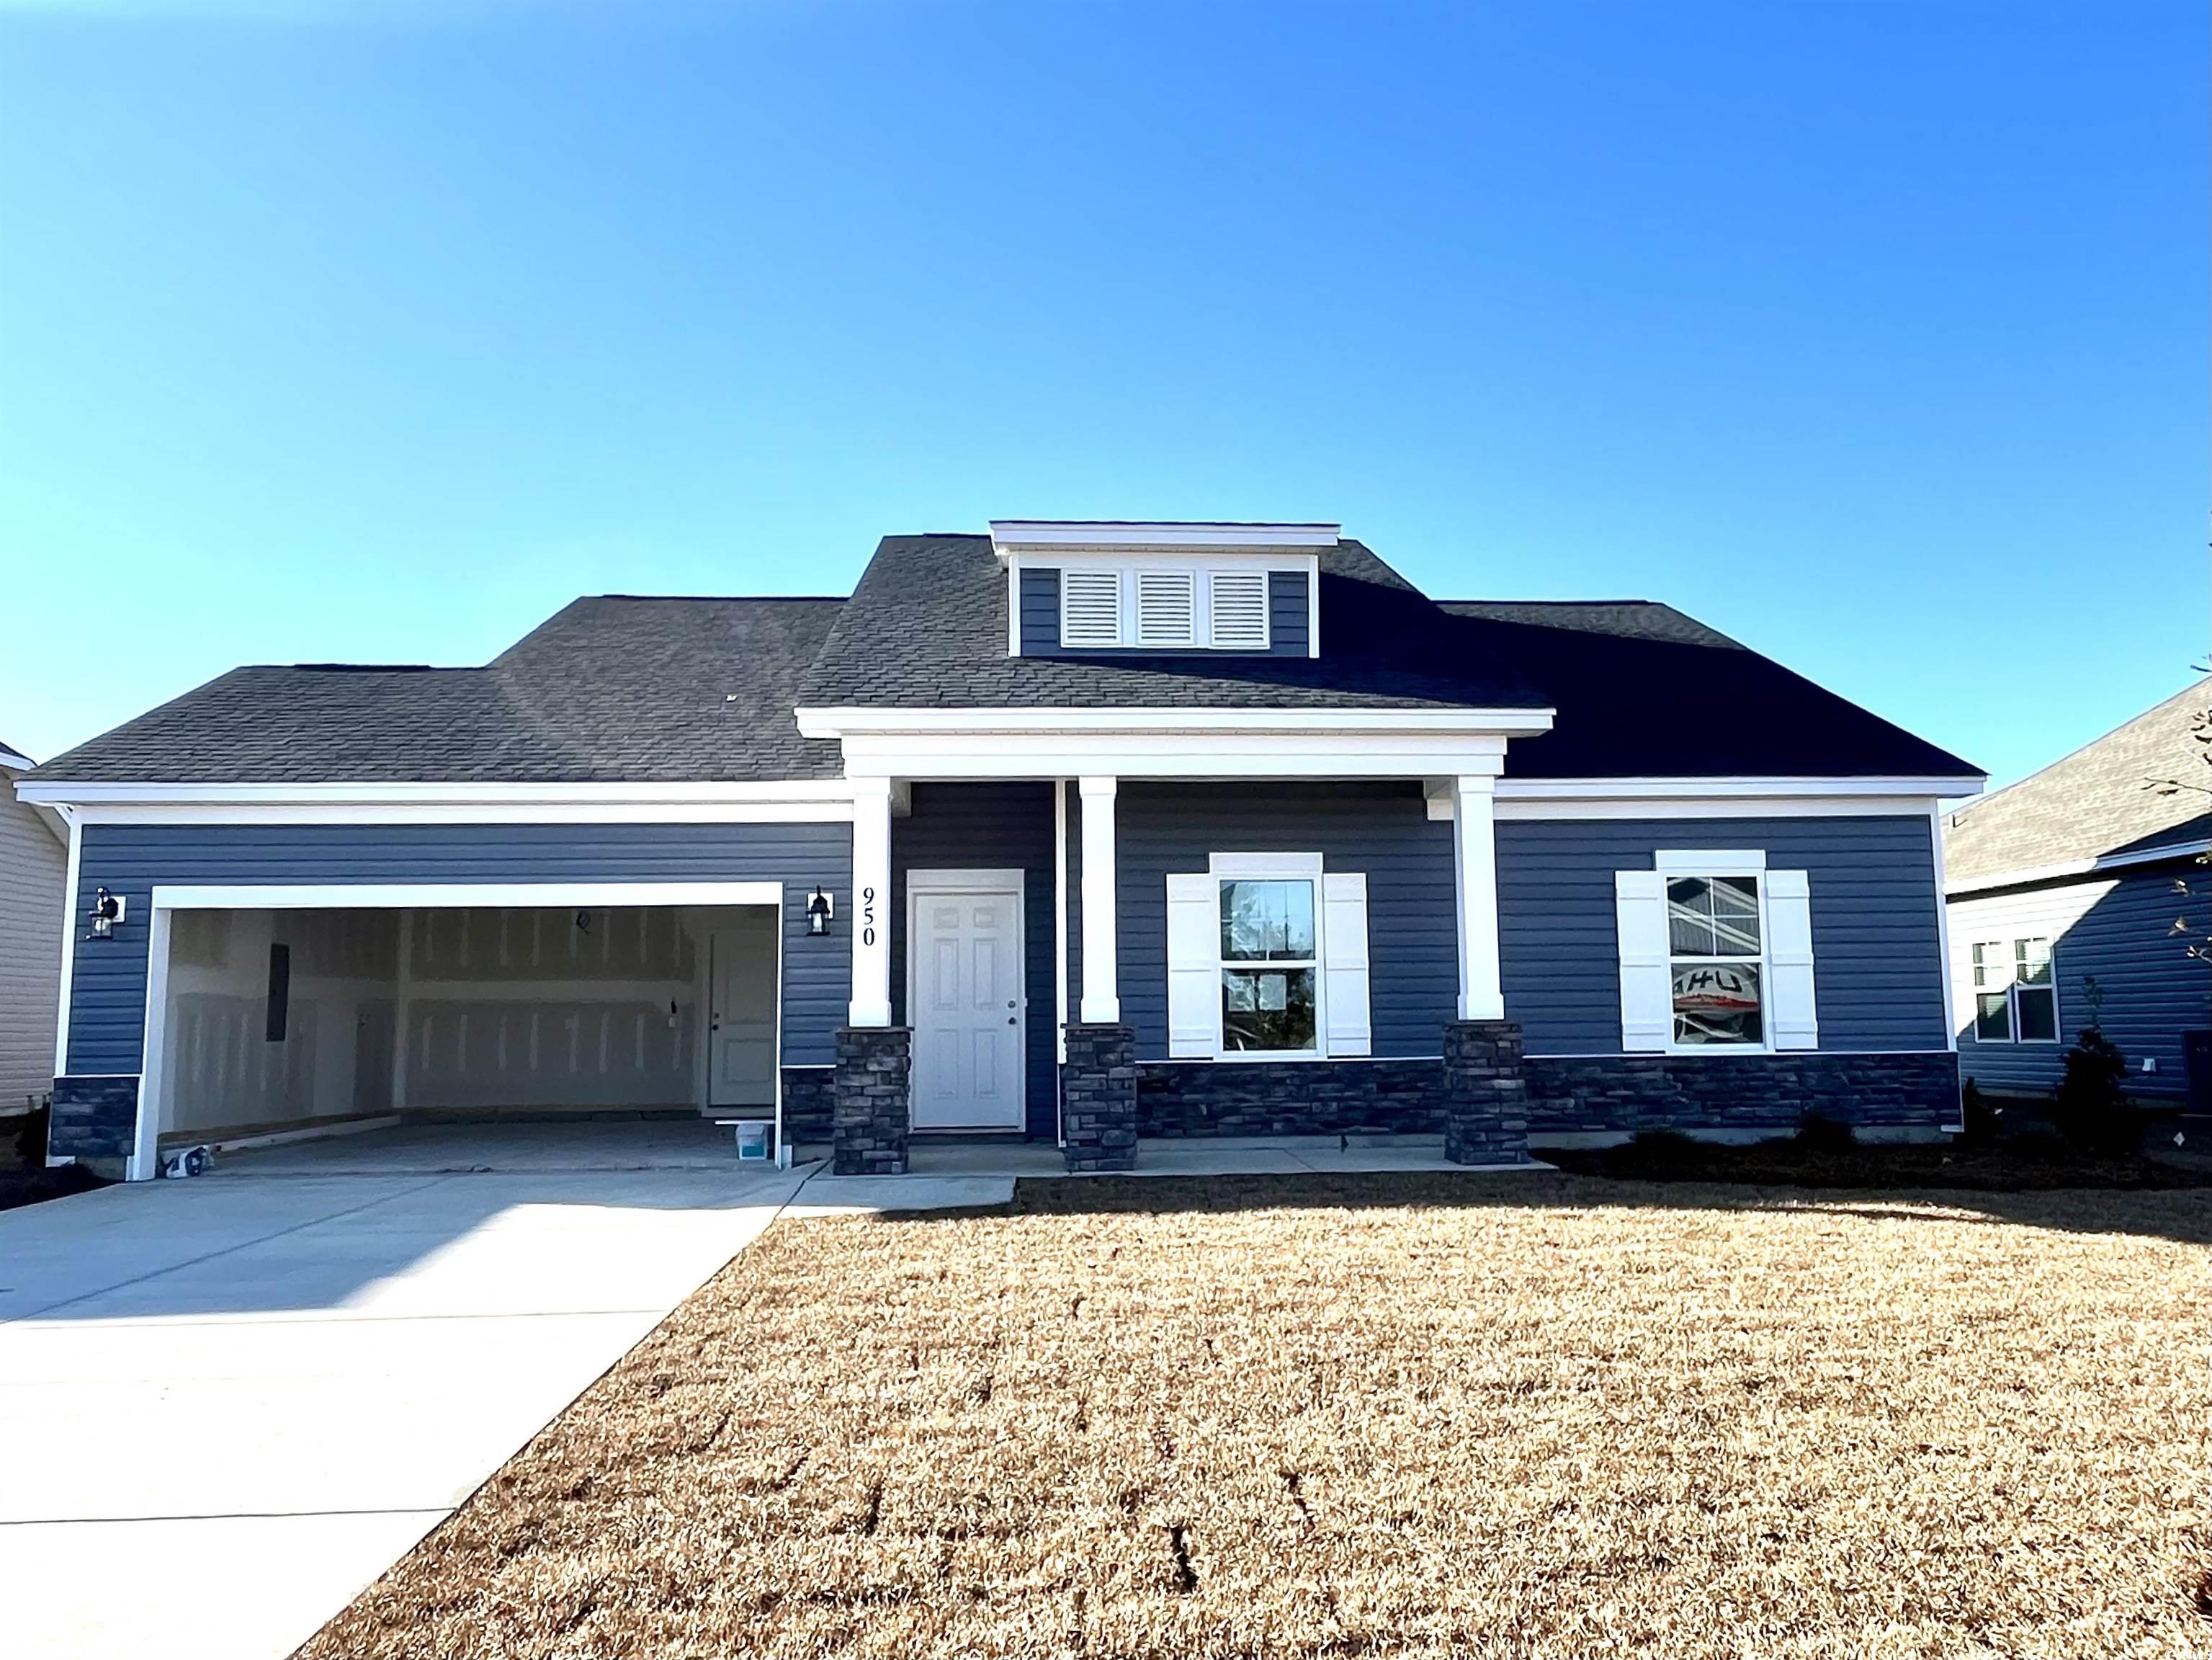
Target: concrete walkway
x: 229, y: 1404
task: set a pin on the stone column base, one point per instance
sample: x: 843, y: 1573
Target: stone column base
x: 1099, y: 1098
x: 1485, y: 1097
x: 871, y: 1101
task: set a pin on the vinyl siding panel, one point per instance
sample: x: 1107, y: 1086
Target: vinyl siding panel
x: 107, y: 1006
x: 2115, y: 930
x: 989, y: 827
x: 1040, y: 618
x: 1287, y: 632
x: 1382, y: 830
x: 33, y: 869
x: 1877, y: 965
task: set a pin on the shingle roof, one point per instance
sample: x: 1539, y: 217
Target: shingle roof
x: 1643, y: 691
x: 2100, y: 802
x: 614, y: 689
x: 926, y: 628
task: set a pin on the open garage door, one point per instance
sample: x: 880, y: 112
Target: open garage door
x: 287, y: 1018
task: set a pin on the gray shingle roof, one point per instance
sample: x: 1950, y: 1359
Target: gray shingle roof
x: 610, y: 690
x: 2099, y: 802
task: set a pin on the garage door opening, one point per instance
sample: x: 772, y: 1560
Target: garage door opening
x: 279, y: 1020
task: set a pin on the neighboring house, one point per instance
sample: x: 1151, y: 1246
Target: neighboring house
x: 34, y: 871
x: 1219, y: 828
x: 2062, y: 893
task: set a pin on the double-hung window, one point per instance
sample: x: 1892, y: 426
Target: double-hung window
x: 2015, y: 993
x: 1717, y: 960
x: 1270, y: 966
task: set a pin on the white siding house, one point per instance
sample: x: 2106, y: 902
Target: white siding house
x: 34, y: 865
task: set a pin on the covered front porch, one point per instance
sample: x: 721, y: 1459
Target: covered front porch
x: 1254, y: 931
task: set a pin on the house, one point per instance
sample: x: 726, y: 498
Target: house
x: 1074, y: 831
x: 33, y: 868
x: 2063, y: 902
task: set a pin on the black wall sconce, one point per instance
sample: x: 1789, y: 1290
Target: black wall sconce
x: 820, y: 908
x: 108, y: 910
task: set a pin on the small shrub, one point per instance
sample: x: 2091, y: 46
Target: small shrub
x: 1818, y: 1133
x: 2092, y: 1110
x: 1664, y: 1146
x: 1984, y: 1123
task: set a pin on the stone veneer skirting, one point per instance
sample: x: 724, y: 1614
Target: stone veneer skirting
x: 1615, y: 1092
x: 95, y: 1119
x: 1485, y: 1096
x: 810, y: 1103
x: 1098, y: 1097
x: 872, y: 1090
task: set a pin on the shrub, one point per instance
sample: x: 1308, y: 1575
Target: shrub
x: 2092, y: 1110
x: 1665, y: 1146
x: 1818, y: 1133
x: 1984, y: 1121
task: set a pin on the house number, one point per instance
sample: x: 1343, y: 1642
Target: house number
x: 868, y: 916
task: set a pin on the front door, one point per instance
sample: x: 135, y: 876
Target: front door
x: 964, y: 999
x: 741, y: 1015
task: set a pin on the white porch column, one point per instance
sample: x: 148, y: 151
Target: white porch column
x: 1474, y: 879
x: 872, y: 901
x: 1102, y: 1000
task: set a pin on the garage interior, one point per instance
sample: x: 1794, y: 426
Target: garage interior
x: 280, y: 1020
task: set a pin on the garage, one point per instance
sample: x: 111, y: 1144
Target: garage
x: 275, y: 1013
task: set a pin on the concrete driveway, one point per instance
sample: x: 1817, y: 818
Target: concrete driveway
x: 227, y: 1404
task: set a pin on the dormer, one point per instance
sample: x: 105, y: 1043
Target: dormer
x: 1103, y: 589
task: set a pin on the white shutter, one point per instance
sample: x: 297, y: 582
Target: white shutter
x: 1344, y: 963
x: 1647, y: 1000
x: 1792, y: 1020
x: 1167, y: 608
x: 1194, y: 966
x: 1238, y: 602
x: 1090, y: 608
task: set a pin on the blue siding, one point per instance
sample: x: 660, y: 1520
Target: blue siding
x: 1381, y: 829
x: 990, y: 827
x: 1877, y: 966
x: 1040, y: 613
x: 107, y: 1003
x: 1287, y: 636
x: 2117, y: 932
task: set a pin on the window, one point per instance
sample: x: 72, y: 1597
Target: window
x: 2016, y: 992
x: 1270, y: 963
x: 1717, y: 960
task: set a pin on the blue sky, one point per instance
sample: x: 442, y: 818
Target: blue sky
x: 1873, y: 334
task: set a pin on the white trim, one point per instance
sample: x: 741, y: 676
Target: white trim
x: 1014, y: 883
x: 871, y: 1003
x: 811, y: 792
x: 1943, y: 932
x: 152, y: 1060
x: 1101, y: 1001
x: 1522, y: 810
x: 1271, y: 867
x: 1009, y: 536
x: 1266, y: 866
x: 15, y: 762
x: 1474, y: 898
x: 1059, y: 927
x: 2038, y: 874
x: 1546, y: 789
x: 843, y: 720
x: 69, y: 944
x: 1757, y: 876
x: 1698, y: 861
x: 433, y: 896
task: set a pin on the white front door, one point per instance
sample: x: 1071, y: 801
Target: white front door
x: 964, y: 998
x: 741, y: 1012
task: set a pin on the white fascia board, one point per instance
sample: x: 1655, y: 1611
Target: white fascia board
x: 376, y: 896
x: 1629, y: 789
x: 63, y: 791
x: 2074, y: 867
x: 15, y: 762
x: 1172, y: 754
x: 849, y: 722
x: 1033, y: 535
x: 826, y: 800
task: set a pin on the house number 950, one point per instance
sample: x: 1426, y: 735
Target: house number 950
x: 868, y: 916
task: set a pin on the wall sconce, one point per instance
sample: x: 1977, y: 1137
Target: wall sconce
x: 108, y: 910
x: 819, y: 909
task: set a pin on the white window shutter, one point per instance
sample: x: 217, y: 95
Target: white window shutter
x: 1646, y: 997
x: 1167, y: 608
x: 1792, y: 1020
x: 1344, y: 963
x: 1237, y: 603
x: 1090, y: 608
x: 1194, y: 966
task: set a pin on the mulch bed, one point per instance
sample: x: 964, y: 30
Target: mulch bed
x: 2025, y: 1165
x: 1527, y: 1416
x: 32, y: 1187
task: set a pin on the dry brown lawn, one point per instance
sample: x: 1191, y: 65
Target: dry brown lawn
x: 1533, y: 1416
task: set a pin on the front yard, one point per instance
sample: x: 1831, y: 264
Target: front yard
x: 1511, y: 1416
